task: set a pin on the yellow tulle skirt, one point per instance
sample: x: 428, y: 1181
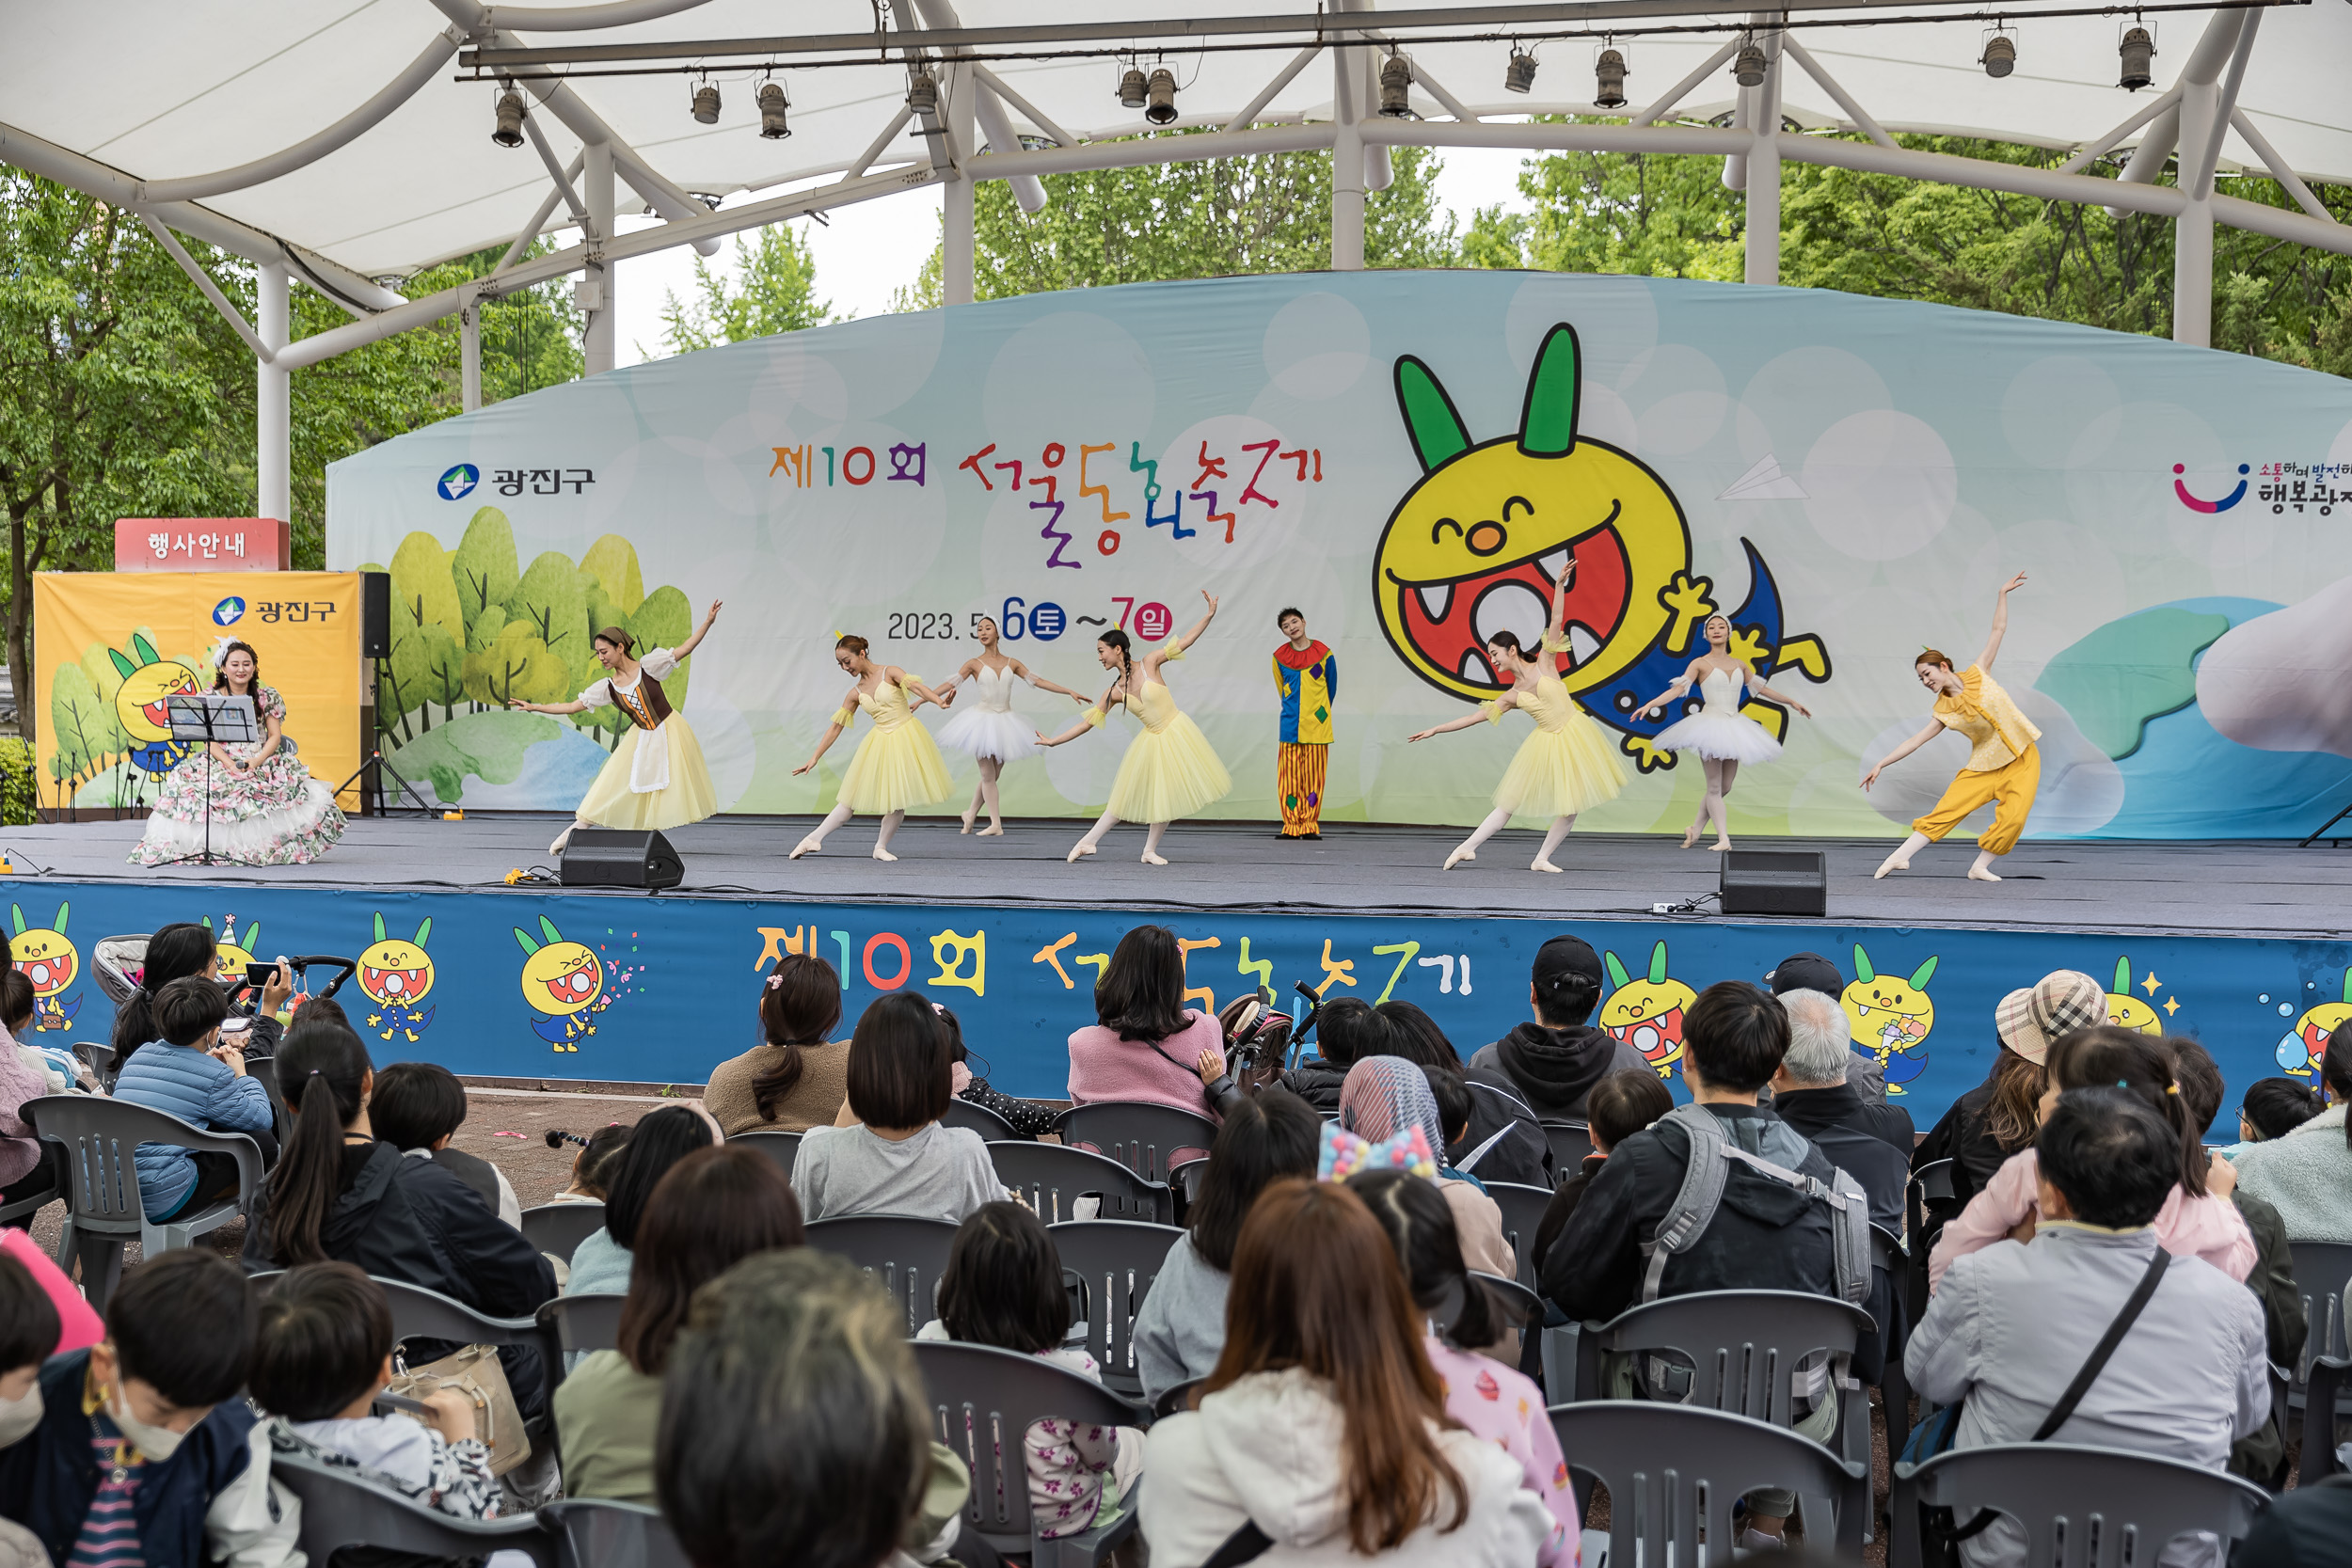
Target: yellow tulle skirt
x: 688, y: 797
x: 1561, y: 772
x: 1168, y: 774
x: 894, y: 769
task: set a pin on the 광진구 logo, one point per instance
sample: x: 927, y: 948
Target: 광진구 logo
x: 459, y: 481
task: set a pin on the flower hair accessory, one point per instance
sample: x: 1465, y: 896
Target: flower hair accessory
x: 1344, y: 1154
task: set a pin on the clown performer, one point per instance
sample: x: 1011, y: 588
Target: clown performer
x: 1722, y: 736
x: 898, y: 765
x: 1307, y: 678
x: 2003, y: 770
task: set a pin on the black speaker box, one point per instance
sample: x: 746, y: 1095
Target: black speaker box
x: 376, y: 615
x: 1774, y: 881
x: 620, y: 857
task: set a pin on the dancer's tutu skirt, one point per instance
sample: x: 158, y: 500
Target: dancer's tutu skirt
x: 895, y: 770
x: 687, y: 798
x: 1720, y: 737
x: 1169, y: 772
x: 1561, y: 772
x: 982, y: 731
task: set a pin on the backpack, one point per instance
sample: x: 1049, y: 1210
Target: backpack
x: 1693, y: 1207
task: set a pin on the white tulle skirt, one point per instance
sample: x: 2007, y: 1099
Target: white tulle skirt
x: 984, y: 732
x: 1720, y: 737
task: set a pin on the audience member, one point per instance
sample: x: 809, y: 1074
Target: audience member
x: 602, y: 1261
x: 1180, y: 1331
x: 2193, y: 1222
x: 189, y: 1073
x: 1323, y: 1420
x: 2306, y: 1527
x: 2012, y: 1326
x: 1028, y: 1117
x: 1619, y: 1106
x: 591, y: 1167
x: 798, y: 1078
x: 2307, y: 1174
x: 891, y: 1154
x: 78, y: 1325
x: 1146, y: 1045
x: 1385, y: 1096
x: 24, y: 1166
x: 1497, y: 1404
x: 1811, y: 1093
x: 1340, y: 1033
x: 1864, y: 1073
x: 417, y: 1107
x: 179, y: 951
x: 708, y: 1211
x: 2000, y: 1116
x: 1002, y: 1287
x: 56, y: 1068
x: 30, y: 1333
x: 1555, y: 1061
x: 142, y: 1453
x: 2273, y: 1107
x: 1503, y: 1141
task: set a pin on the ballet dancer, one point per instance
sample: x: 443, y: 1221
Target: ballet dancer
x: 1170, y: 770
x: 1568, y: 766
x: 898, y: 765
x: 1722, y: 736
x: 2004, y: 769
x: 987, y: 730
x: 656, y: 777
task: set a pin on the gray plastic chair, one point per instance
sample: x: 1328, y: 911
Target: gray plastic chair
x: 978, y: 1118
x: 264, y: 1073
x: 2325, y: 1369
x: 1176, y: 1398
x: 1673, y: 1471
x: 1115, y: 1260
x: 984, y: 1400
x: 1570, y: 1142
x: 99, y: 1138
x: 1185, y: 1179
x: 1522, y: 1210
x: 783, y: 1148
x: 1139, y: 1134
x: 594, y: 1533
x: 100, y: 1059
x: 1051, y: 1177
x: 559, y: 1228
x: 574, y: 1325
x: 2079, y: 1507
x: 21, y: 1212
x: 338, y: 1509
x: 905, y: 1252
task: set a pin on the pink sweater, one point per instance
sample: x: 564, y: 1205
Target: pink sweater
x: 2208, y: 1228
x: 1103, y: 1066
x: 20, y: 1151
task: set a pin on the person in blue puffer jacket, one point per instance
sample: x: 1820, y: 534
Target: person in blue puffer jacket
x: 190, y: 1075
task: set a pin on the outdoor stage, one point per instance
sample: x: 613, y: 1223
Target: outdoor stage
x: 2242, y: 943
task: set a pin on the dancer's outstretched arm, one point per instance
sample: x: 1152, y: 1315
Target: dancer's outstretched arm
x: 700, y: 632
x: 1091, y: 719
x: 547, y: 708
x: 1689, y: 678
x: 832, y: 731
x: 1901, y: 752
x: 1559, y: 628
x: 908, y: 683
x: 1153, y: 661
x: 1044, y: 684
x: 2000, y: 622
x: 1755, y: 685
x: 1479, y: 715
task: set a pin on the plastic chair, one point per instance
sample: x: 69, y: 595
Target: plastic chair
x: 1185, y: 1179
x: 596, y: 1533
x: 1671, y: 1471
x: 979, y: 1118
x: 1115, y: 1260
x: 1887, y: 1254
x: 984, y: 1400
x: 264, y: 1073
x: 907, y: 1253
x: 1176, y: 1398
x: 1522, y: 1210
x: 560, y: 1227
x: 2079, y: 1507
x: 1139, y: 1134
x: 100, y: 1059
x: 2325, y: 1369
x: 1051, y: 1177
x: 21, y: 1212
x: 1570, y: 1142
x: 99, y: 1138
x: 574, y: 1325
x: 338, y: 1509
x: 783, y: 1148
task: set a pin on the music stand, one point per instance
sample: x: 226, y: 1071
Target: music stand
x: 207, y: 718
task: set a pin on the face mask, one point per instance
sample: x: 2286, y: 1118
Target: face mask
x: 156, y: 1443
x: 18, y: 1418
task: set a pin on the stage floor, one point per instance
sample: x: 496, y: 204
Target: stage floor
x: 2228, y: 889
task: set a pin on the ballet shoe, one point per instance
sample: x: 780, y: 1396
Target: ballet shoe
x: 1458, y: 857
x: 561, y: 839
x: 1720, y: 845
x: 883, y: 854
x: 1078, y: 850
x: 1892, y: 864
x: 1978, y: 874
x: 1691, y: 839
x: 1539, y: 863
x: 808, y: 845
x: 994, y: 830
x: 967, y: 825
x: 1151, y: 859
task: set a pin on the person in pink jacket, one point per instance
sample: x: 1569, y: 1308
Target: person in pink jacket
x: 2197, y: 1219
x: 1146, y: 1045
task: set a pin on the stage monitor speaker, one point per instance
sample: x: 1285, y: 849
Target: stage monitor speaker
x: 619, y: 856
x: 376, y: 615
x: 1775, y: 882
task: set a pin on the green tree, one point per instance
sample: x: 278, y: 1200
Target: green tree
x: 772, y: 289
x: 485, y: 571
x: 516, y: 665
x: 552, y: 600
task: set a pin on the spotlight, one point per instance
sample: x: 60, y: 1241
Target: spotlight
x: 2137, y: 49
x: 1396, y: 77
x: 1609, y: 71
x: 771, y: 107
x: 510, y: 126
x: 923, y: 94
x: 1162, y: 97
x: 2000, y: 56
x: 706, y: 104
x: 1748, y: 70
x: 1133, y: 92
x: 1519, y: 75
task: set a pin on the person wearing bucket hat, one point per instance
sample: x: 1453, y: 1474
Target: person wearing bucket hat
x: 1556, y: 1060
x: 2030, y: 1019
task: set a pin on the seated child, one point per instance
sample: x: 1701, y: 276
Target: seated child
x: 190, y: 1075
x: 593, y: 1168
x: 417, y: 1107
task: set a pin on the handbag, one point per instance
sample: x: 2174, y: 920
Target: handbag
x: 1940, y: 1535
x: 475, y: 1372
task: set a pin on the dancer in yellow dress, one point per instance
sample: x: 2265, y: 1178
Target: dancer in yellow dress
x: 898, y: 765
x: 1170, y: 770
x: 1568, y: 766
x: 656, y: 777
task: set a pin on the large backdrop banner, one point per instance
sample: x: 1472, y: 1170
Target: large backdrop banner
x: 110, y: 650
x: 1407, y: 457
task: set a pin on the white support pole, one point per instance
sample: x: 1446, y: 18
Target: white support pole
x: 2192, y: 232
x: 211, y: 291
x: 1377, y: 171
x: 1250, y: 111
x: 1682, y: 89
x: 595, y: 288
x: 1792, y: 49
x: 273, y: 402
x: 469, y: 354
x: 1763, y: 250
x: 2286, y: 177
x: 1347, y: 163
x: 958, y: 256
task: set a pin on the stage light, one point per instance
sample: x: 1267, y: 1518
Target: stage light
x: 1396, y: 80
x: 2137, y: 49
x: 1748, y: 70
x: 510, y: 125
x: 1519, y: 75
x: 2000, y: 56
x: 1133, y: 93
x: 923, y: 94
x: 706, y: 104
x: 1162, y: 96
x: 1609, y: 73
x: 771, y: 107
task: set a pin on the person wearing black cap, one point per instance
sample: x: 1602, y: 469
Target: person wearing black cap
x: 1864, y: 1073
x: 1556, y: 1060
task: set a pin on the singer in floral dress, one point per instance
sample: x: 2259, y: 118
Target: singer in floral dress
x: 266, y: 808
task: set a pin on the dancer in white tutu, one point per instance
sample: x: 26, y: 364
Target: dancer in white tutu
x: 1722, y: 736
x: 988, y: 729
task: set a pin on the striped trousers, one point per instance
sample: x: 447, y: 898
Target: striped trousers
x: 1298, y: 783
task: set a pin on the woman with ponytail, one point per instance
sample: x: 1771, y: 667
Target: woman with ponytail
x: 2307, y: 1174
x: 173, y: 953
x: 798, y: 1079
x: 897, y: 766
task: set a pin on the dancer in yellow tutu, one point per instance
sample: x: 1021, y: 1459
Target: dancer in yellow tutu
x: 1169, y: 771
x: 1568, y: 766
x: 898, y: 765
x: 656, y: 777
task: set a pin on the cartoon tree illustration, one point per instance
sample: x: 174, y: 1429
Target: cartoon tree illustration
x: 82, y: 730
x: 517, y: 665
x: 550, y: 600
x: 482, y: 568
x: 443, y: 668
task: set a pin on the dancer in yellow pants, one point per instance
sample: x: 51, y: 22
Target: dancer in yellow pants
x: 2004, y: 767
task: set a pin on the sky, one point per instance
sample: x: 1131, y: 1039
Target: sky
x: 869, y: 251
